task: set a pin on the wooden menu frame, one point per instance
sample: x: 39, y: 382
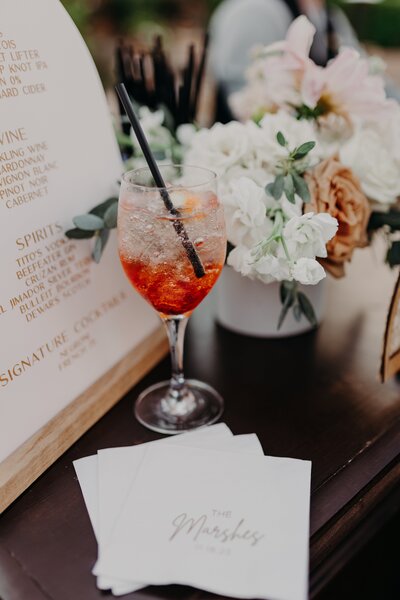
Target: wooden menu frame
x: 390, y: 364
x: 21, y: 468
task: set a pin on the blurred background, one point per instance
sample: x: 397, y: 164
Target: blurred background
x: 103, y: 23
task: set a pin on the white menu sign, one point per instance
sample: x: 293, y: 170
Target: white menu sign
x: 64, y: 321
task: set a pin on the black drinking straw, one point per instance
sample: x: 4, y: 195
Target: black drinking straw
x: 155, y: 171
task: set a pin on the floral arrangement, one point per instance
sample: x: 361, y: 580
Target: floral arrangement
x: 166, y: 103
x: 308, y: 171
x: 312, y: 167
x: 166, y: 141
x: 167, y: 144
x: 262, y: 184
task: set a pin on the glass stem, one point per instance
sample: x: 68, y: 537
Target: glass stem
x: 179, y: 401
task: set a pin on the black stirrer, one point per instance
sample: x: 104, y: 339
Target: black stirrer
x: 155, y: 171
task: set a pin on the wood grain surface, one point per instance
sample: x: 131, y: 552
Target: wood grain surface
x: 317, y: 397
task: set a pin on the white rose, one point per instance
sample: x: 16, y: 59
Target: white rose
x: 307, y: 271
x: 306, y: 236
x: 374, y: 159
x: 245, y: 212
x: 220, y: 147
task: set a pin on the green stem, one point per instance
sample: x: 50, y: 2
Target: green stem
x: 283, y: 242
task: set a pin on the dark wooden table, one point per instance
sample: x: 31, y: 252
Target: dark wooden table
x: 314, y: 397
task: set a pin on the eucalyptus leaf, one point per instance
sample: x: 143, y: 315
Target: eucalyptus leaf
x: 100, y: 244
x: 101, y: 209
x: 286, y: 305
x: 159, y: 154
x: 307, y: 308
x: 287, y: 288
x: 393, y: 254
x: 281, y: 139
x: 297, y: 312
x: 110, y: 216
x: 278, y: 186
x: 79, y: 234
x: 123, y: 139
x: 303, y: 150
x: 177, y: 153
x: 301, y: 187
x: 88, y: 222
x: 288, y: 187
x: 270, y: 187
x: 283, y: 292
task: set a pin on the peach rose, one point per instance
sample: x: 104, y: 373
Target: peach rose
x: 336, y: 190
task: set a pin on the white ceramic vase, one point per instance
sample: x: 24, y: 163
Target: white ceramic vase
x: 253, y: 308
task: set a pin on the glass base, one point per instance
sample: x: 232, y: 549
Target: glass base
x: 158, y: 411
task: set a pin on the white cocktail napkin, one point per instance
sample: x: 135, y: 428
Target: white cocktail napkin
x: 205, y: 509
x: 117, y: 468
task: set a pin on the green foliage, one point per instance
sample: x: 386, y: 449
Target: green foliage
x: 101, y: 209
x: 305, y: 112
x: 303, y: 150
x: 88, y: 222
x: 110, y: 216
x: 389, y: 223
x: 121, y: 15
x: 281, y: 139
x: 276, y: 187
x: 291, y: 297
x: 96, y: 223
x: 79, y: 12
x: 79, y: 234
x: 378, y: 23
x: 306, y: 308
x: 100, y: 244
x: 287, y: 295
x: 288, y: 187
x: 393, y: 254
x: 390, y: 219
x: 289, y: 180
x: 301, y: 187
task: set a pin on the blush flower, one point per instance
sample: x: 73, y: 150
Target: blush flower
x: 336, y: 190
x: 345, y: 87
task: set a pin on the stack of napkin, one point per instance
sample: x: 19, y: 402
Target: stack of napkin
x: 205, y: 509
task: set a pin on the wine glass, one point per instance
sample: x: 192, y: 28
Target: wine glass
x: 173, y: 258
